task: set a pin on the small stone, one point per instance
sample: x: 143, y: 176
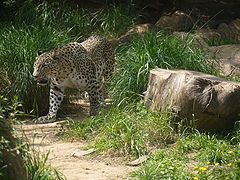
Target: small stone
x: 138, y: 161
x: 80, y: 153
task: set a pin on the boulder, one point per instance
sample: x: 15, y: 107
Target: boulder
x: 178, y: 21
x: 227, y: 58
x: 207, y: 102
x: 230, y: 31
x: 137, y: 30
x: 208, y: 34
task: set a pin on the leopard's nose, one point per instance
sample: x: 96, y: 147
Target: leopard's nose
x: 36, y: 76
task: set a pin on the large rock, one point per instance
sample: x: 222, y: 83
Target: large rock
x: 224, y: 32
x: 137, y: 30
x: 179, y: 21
x: 208, y: 34
x: 227, y: 58
x: 210, y: 13
x: 208, y: 102
x: 230, y: 31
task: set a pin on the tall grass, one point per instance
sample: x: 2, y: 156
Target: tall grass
x: 110, y: 22
x: 44, y: 27
x: 32, y: 30
x: 17, y: 54
x: 143, y: 54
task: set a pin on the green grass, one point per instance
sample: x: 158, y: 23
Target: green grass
x: 164, y: 164
x: 17, y: 54
x: 19, y: 44
x: 128, y: 129
x: 135, y: 131
x: 195, y: 156
x: 135, y: 60
x: 129, y: 132
x: 38, y: 168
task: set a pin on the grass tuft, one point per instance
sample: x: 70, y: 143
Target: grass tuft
x: 129, y: 132
x: 163, y: 165
x: 37, y: 167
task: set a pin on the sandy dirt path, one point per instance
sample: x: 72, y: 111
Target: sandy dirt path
x: 43, y: 138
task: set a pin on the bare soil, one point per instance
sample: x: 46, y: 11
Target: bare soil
x: 43, y: 137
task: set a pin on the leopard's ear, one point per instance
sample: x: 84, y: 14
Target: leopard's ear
x: 40, y: 52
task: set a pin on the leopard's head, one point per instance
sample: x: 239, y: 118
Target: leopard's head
x: 45, y: 67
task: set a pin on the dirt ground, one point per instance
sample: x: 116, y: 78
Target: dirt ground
x: 43, y: 138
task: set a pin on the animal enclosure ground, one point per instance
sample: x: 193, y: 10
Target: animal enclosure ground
x: 43, y: 137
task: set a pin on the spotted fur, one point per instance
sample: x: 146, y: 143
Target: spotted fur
x: 86, y: 66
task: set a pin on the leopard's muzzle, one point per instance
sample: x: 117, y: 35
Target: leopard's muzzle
x: 41, y: 81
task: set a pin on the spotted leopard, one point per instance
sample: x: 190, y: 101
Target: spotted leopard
x: 86, y: 66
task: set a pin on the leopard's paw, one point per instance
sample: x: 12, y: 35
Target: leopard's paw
x: 45, y: 119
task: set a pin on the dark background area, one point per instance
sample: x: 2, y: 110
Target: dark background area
x: 149, y: 11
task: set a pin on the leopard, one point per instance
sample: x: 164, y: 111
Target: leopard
x: 86, y: 65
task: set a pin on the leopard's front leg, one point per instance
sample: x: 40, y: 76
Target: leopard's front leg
x: 95, y: 97
x: 55, y: 99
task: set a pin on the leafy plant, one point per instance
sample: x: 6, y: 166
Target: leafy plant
x: 11, y: 109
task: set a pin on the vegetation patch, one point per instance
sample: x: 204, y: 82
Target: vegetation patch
x: 135, y: 132
x: 38, y: 168
x: 131, y: 132
x: 135, y: 60
x: 195, y: 156
x: 129, y: 129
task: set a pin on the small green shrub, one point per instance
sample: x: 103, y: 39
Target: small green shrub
x: 11, y: 156
x: 135, y: 61
x: 10, y: 109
